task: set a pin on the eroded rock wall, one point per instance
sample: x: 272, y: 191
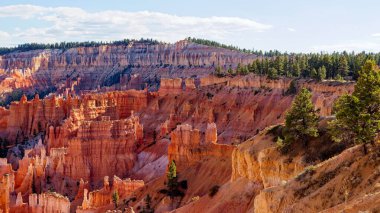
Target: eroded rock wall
x: 98, y: 66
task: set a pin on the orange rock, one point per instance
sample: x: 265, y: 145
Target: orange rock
x: 103, y: 197
x: 5, y: 188
x: 170, y: 86
x: 190, y: 84
x: 186, y: 147
x: 211, y: 133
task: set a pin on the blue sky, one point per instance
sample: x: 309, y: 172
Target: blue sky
x: 292, y: 25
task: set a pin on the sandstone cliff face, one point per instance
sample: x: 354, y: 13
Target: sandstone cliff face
x: 187, y: 146
x: 259, y: 160
x: 103, y: 197
x: 49, y: 202
x: 5, y: 188
x: 170, y: 86
x: 30, y: 117
x: 98, y: 148
x: 4, y: 114
x: 96, y: 65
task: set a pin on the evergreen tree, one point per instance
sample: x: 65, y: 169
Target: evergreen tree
x: 254, y: 67
x: 273, y: 73
x: 314, y: 73
x: 296, y: 70
x: 338, y: 77
x: 343, y: 66
x: 266, y: 66
x: 358, y: 115
x: 115, y: 198
x: 279, y: 65
x: 172, y: 183
x: 321, y: 73
x: 148, y: 202
x: 230, y: 71
x: 301, y: 120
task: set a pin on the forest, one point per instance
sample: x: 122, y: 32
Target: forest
x: 68, y: 45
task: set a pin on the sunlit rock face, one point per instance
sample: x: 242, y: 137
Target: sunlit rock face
x: 188, y: 146
x: 103, y: 197
x: 90, y: 67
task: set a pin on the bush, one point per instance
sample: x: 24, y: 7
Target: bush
x: 213, y: 190
x: 183, y: 184
x: 292, y: 88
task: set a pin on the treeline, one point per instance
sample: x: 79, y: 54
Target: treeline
x: 313, y: 65
x: 68, y: 45
x: 307, y: 65
x: 217, y: 44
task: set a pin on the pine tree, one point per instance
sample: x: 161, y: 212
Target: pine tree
x: 358, y: 115
x: 254, y: 67
x: 321, y: 73
x: 218, y: 71
x: 314, y: 73
x: 327, y: 63
x: 148, y: 202
x: 230, y: 71
x: 172, y: 183
x: 301, y: 120
x: 343, y: 66
x: 296, y: 70
x: 273, y: 73
x: 115, y: 198
x: 239, y: 69
x: 279, y: 65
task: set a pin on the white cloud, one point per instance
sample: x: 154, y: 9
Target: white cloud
x: 4, y: 37
x: 73, y: 24
x: 376, y: 35
x: 356, y: 46
x: 4, y: 34
x: 291, y: 29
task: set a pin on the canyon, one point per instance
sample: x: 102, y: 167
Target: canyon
x: 75, y: 149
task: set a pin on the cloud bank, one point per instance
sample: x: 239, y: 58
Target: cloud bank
x: 56, y: 24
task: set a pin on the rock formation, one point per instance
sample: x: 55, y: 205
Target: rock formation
x: 103, y: 65
x: 170, y: 86
x: 187, y: 146
x: 103, y: 197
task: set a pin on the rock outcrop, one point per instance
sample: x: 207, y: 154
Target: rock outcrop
x: 188, y: 146
x: 97, y: 148
x: 170, y: 86
x: 49, y: 202
x: 253, y: 160
x: 103, y: 197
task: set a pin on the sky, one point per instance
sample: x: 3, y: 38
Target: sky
x: 285, y: 25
